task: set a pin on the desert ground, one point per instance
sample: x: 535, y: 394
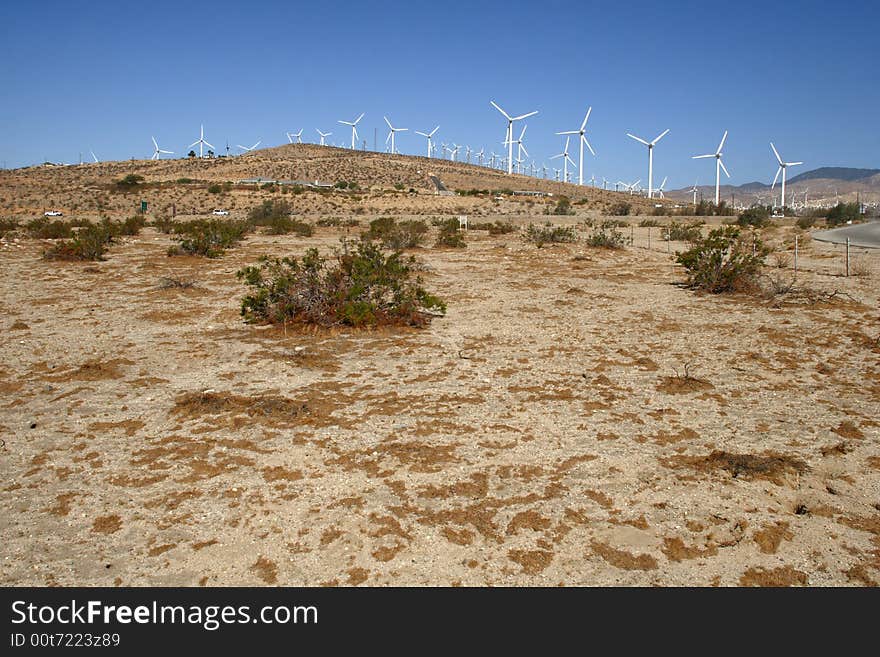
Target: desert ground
x: 577, y: 418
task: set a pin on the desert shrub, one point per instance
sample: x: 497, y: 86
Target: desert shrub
x: 399, y: 186
x: 208, y: 237
x: 131, y: 226
x: 549, y: 234
x: 723, y: 261
x: 607, y: 236
x: 649, y: 223
x: 396, y: 235
x: 214, y: 189
x: 678, y: 232
x: 359, y: 287
x: 781, y: 259
x: 184, y: 181
x: 620, y: 209
x: 843, y: 212
x: 337, y: 222
x: 757, y: 216
x: 42, y: 228
x: 268, y: 211
x: 169, y: 283
x: 287, y: 225
x: 501, y: 228
x: 450, y: 235
x: 806, y: 222
x: 129, y: 181
x: 7, y: 226
x: 563, y: 206
x: 89, y: 243
x: 164, y: 224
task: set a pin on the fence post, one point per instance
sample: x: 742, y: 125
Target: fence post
x: 649, y: 238
x: 847, y: 257
x: 795, y: 253
x: 631, y: 235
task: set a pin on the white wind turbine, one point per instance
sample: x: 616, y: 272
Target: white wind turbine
x: 201, y: 142
x: 719, y: 166
x: 453, y: 152
x: 480, y: 157
x: 782, y: 167
x: 94, y: 157
x: 650, y: 146
x: 391, y: 133
x: 156, y: 153
x: 508, y: 137
x: 694, y: 191
x: 295, y: 135
x: 660, y: 188
x: 246, y: 149
x: 354, y: 132
x: 583, y: 140
x: 520, y: 148
x: 429, y: 135
x: 323, y: 135
x: 565, y: 160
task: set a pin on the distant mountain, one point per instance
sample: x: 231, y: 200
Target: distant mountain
x: 836, y: 173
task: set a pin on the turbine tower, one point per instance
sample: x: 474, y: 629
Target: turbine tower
x: 390, y: 133
x: 719, y: 165
x: 428, y: 135
x: 323, y: 135
x: 650, y: 146
x: 782, y: 167
x: 156, y: 153
x: 583, y: 140
x: 201, y: 142
x: 520, y: 149
x: 566, y: 159
x: 508, y: 137
x: 354, y: 132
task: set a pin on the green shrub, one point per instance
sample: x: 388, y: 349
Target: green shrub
x: 269, y: 212
x: 89, y: 243
x: 450, y: 235
x: 620, y: 209
x: 42, y: 228
x: 208, y: 237
x: 677, y: 232
x: 563, y: 206
x: 494, y: 228
x: 131, y: 226
x: 649, y: 223
x: 359, y: 287
x: 164, y: 224
x: 724, y: 261
x: 607, y: 236
x: 214, y: 189
x: 549, y: 234
x: 286, y: 225
x: 129, y: 181
x: 8, y: 226
x: 843, y: 212
x: 396, y: 235
x: 806, y: 222
x: 184, y: 181
x: 757, y: 216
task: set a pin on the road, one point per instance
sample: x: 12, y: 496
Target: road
x: 864, y: 235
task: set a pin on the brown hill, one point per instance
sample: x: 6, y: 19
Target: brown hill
x: 385, y: 184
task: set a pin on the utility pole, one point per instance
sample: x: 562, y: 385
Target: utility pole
x: 374, y: 139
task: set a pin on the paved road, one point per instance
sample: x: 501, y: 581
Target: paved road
x: 865, y: 235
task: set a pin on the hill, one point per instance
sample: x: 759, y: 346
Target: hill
x: 383, y: 184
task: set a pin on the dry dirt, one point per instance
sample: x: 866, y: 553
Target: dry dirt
x: 543, y: 433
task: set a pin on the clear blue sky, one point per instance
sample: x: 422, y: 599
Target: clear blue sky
x: 106, y: 76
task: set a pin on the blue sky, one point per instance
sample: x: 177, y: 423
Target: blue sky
x: 106, y: 76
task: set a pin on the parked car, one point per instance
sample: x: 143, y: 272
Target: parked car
x: 220, y: 213
x: 53, y: 213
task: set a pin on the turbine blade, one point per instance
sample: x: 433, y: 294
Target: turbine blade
x: 195, y: 143
x: 422, y: 134
x: 588, y: 146
x: 524, y: 116
x: 506, y: 115
x: 154, y: 142
x: 388, y: 122
x: 724, y: 168
x: 359, y: 118
x: 776, y: 153
x: 791, y: 164
x: 586, y: 118
x: 434, y: 130
x: 524, y: 150
x: 776, y: 177
x: 639, y: 139
x: 211, y: 146
x: 698, y: 157
x: 662, y: 134
x: 569, y: 132
x: 721, y: 145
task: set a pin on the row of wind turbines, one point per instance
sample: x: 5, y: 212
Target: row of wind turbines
x: 510, y: 142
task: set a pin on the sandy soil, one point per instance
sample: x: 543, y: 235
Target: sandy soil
x: 543, y: 433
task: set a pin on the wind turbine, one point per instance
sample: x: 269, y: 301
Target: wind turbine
x: 428, y: 135
x: 298, y: 135
x: 323, y: 135
x: 694, y: 191
x: 583, y: 140
x: 660, y: 188
x: 94, y: 157
x: 782, y: 167
x: 480, y: 157
x: 650, y: 146
x: 354, y: 132
x: 467, y: 151
x: 719, y: 165
x: 520, y: 149
x: 156, y: 153
x: 391, y: 133
x: 565, y: 160
x: 453, y: 152
x: 201, y: 142
x: 508, y: 138
x: 248, y: 150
